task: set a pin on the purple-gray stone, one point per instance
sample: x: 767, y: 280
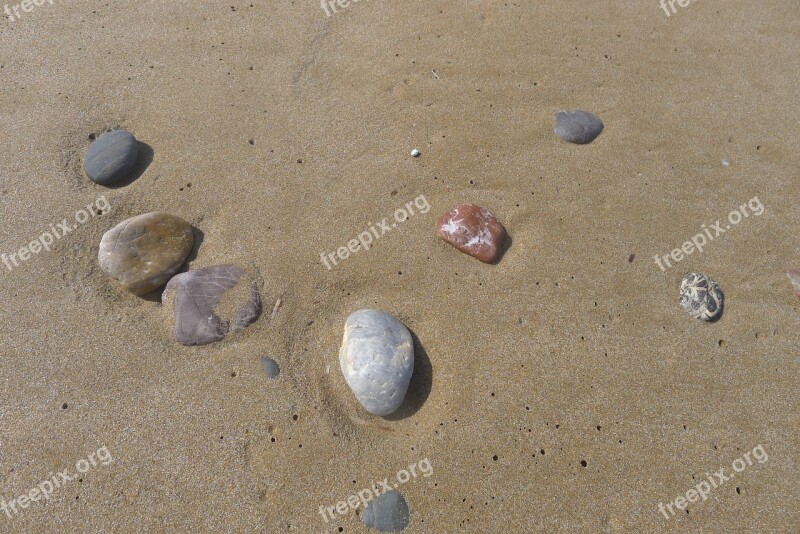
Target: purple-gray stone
x: 209, y: 303
x: 387, y: 512
x: 579, y: 127
x: 111, y: 157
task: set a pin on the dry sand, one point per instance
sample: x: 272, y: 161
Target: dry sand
x: 563, y: 352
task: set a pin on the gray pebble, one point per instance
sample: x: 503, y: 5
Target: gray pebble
x: 111, y: 157
x: 387, y: 513
x: 377, y: 360
x: 701, y: 297
x: 271, y: 367
x: 208, y: 303
x: 579, y: 127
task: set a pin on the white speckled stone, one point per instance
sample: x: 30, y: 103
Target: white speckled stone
x: 377, y: 360
x: 701, y: 297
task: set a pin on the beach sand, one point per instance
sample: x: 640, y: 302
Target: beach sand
x: 564, y: 352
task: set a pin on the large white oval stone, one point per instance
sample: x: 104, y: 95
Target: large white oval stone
x: 377, y: 360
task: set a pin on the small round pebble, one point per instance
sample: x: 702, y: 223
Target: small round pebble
x: 416, y: 153
x: 143, y: 252
x: 387, y: 513
x: 701, y: 297
x: 271, y: 367
x: 111, y: 157
x: 579, y: 127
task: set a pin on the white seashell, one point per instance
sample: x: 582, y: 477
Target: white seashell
x: 377, y: 360
x: 701, y: 297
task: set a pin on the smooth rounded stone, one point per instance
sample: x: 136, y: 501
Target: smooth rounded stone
x: 143, y: 252
x: 377, y: 360
x: 701, y: 297
x: 794, y: 278
x: 387, y: 513
x: 474, y: 231
x: 271, y: 367
x: 111, y: 157
x: 209, y: 303
x: 579, y: 127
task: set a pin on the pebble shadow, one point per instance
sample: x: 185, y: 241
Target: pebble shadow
x: 504, y: 246
x: 421, y: 383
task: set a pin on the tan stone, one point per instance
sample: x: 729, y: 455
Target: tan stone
x: 143, y: 252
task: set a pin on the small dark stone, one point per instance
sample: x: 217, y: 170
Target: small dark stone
x: 111, y: 157
x: 579, y: 127
x: 271, y: 367
x: 386, y: 513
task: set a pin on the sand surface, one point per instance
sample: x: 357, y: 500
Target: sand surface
x: 563, y: 352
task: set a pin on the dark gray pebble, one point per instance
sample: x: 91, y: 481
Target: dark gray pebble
x: 579, y: 127
x: 271, y: 367
x: 111, y: 157
x: 386, y: 513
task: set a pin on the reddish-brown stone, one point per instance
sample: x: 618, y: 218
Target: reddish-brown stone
x: 474, y: 231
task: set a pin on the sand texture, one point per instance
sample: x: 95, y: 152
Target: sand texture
x: 562, y: 389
